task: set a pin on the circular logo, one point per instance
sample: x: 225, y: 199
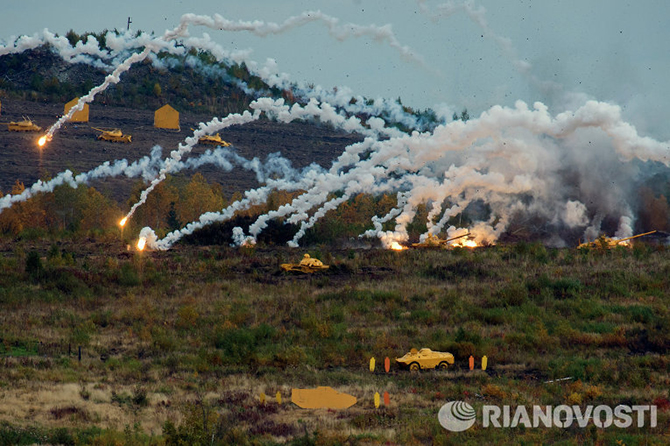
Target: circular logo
x: 457, y: 416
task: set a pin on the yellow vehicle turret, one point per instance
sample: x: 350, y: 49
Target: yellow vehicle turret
x: 604, y: 242
x: 307, y: 265
x: 114, y: 135
x: 214, y: 140
x: 433, y: 241
x: 26, y: 125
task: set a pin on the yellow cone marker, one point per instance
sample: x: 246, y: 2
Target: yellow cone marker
x: 372, y: 364
x: 278, y: 397
x: 485, y: 362
x: 262, y: 398
x: 376, y: 400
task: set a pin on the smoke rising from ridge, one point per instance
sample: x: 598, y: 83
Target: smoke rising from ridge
x: 515, y: 160
x: 571, y: 170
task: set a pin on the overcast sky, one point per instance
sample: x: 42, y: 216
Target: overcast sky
x: 610, y: 50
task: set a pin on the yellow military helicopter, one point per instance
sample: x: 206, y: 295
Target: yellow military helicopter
x: 604, y: 242
x: 306, y: 265
x: 114, y: 135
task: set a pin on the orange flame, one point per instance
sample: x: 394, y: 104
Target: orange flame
x: 141, y: 243
x: 397, y: 246
x: 123, y: 221
x: 466, y: 244
x: 42, y: 141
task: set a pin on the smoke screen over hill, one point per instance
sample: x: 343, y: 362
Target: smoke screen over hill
x: 574, y: 173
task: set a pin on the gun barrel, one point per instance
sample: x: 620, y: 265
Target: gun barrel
x: 635, y: 236
x: 457, y: 237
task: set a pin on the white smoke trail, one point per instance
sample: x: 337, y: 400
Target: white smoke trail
x: 217, y: 22
x: 505, y: 154
x: 111, y: 79
x: 340, y: 32
x: 88, y: 51
x: 146, y: 167
x: 512, y: 160
x: 175, y: 157
x: 274, y: 108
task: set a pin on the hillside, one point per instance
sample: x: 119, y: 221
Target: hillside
x: 177, y: 347
x: 203, y: 343
x: 76, y: 148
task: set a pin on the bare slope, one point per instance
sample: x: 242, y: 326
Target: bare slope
x: 75, y: 147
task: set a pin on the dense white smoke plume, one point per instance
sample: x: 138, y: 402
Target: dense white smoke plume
x: 571, y: 170
x: 515, y: 161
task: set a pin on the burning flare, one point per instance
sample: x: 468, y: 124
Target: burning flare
x: 467, y: 244
x: 397, y: 246
x: 123, y: 221
x: 43, y: 140
x: 141, y: 243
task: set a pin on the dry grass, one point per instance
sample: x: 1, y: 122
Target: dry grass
x: 212, y: 329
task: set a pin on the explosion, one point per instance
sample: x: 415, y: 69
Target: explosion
x: 465, y: 244
x: 507, y: 165
x: 141, y: 243
x: 397, y: 246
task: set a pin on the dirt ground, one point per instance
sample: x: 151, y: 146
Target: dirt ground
x: 75, y: 146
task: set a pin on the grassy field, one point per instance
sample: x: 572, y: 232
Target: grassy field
x: 176, y: 347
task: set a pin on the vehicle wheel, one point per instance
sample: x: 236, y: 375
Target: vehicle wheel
x: 443, y: 366
x: 414, y: 367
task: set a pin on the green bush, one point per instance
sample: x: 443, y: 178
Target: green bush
x: 128, y: 275
x: 34, y: 266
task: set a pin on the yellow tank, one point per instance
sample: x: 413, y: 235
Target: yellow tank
x: 425, y: 358
x: 306, y: 265
x: 432, y: 241
x: 23, y: 126
x: 214, y: 140
x: 604, y: 242
x: 114, y: 135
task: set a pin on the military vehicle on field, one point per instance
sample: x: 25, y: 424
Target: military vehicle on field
x: 26, y: 125
x: 433, y: 241
x: 114, y: 135
x: 307, y: 265
x: 604, y: 242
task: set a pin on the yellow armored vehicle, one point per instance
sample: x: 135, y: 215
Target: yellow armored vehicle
x: 23, y: 126
x: 114, y: 135
x: 214, y: 140
x: 432, y: 241
x: 604, y: 242
x: 425, y: 358
x: 306, y: 265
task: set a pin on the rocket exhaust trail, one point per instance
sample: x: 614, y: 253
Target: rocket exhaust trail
x: 512, y: 159
x: 147, y: 168
x: 383, y: 34
x: 275, y: 109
